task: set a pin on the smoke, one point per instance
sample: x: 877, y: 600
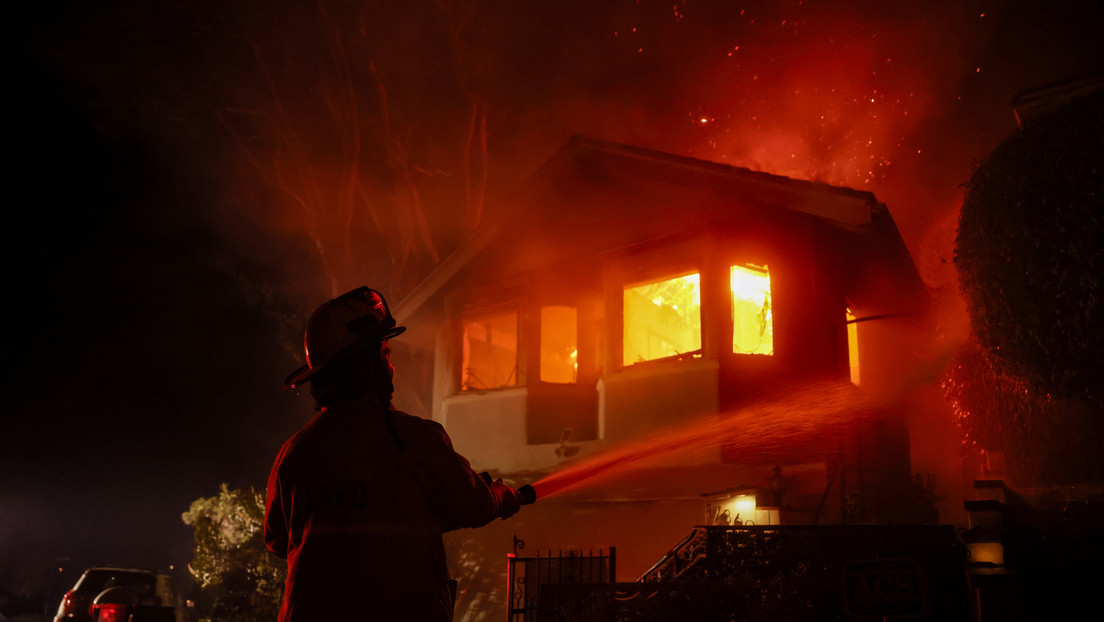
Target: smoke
x: 338, y: 143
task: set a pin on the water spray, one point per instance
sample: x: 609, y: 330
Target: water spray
x: 820, y: 412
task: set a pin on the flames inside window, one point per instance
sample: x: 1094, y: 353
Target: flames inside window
x: 490, y: 352
x: 662, y: 319
x: 559, y: 354
x: 853, y: 346
x: 752, y: 325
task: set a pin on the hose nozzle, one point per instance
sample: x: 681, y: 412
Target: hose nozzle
x: 527, y: 494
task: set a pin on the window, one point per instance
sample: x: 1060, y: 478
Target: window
x: 490, y: 352
x: 752, y: 325
x: 853, y: 346
x: 662, y: 319
x: 559, y: 354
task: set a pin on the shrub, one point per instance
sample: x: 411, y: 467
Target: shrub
x: 1030, y: 256
x: 240, y: 579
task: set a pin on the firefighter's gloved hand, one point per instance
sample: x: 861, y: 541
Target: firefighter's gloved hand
x: 508, y: 501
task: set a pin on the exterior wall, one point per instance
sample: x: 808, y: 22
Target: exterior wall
x: 643, y: 399
x: 489, y: 430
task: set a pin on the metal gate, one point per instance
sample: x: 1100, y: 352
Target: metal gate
x: 526, y: 576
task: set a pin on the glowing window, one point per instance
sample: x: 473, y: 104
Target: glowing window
x: 853, y: 346
x: 752, y: 325
x: 490, y: 352
x: 662, y: 319
x: 559, y: 354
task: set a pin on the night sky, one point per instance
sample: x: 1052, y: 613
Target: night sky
x: 187, y: 180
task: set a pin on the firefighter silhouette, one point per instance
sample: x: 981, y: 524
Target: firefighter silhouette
x: 358, y: 498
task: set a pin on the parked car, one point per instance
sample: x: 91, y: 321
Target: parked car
x: 106, y: 594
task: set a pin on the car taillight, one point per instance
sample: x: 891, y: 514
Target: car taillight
x: 110, y: 612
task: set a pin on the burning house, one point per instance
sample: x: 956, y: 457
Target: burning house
x: 723, y: 329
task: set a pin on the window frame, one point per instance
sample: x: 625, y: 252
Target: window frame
x: 731, y: 328
x: 656, y: 260
x: 538, y: 340
x: 659, y: 277
x: 490, y: 310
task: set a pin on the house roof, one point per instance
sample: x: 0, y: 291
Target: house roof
x: 836, y: 203
x: 839, y: 207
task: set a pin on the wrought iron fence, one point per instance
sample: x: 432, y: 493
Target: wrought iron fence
x: 528, y: 576
x: 775, y: 574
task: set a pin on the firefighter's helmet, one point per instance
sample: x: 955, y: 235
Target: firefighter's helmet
x: 352, y: 321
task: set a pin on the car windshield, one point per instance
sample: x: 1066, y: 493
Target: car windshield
x: 96, y: 581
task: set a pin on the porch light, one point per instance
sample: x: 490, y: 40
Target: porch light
x: 986, y: 553
x: 983, y: 538
x: 566, y: 449
x: 776, y: 486
x: 734, y: 506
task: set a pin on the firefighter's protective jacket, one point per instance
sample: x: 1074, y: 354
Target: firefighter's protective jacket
x: 357, y: 502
